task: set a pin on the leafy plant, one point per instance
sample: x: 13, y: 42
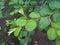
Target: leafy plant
x: 30, y: 16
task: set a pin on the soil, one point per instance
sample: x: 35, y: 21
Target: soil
x: 41, y: 39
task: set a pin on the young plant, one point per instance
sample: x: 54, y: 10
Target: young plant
x: 45, y: 17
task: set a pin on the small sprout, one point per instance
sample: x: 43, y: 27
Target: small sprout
x: 21, y: 10
x: 7, y: 22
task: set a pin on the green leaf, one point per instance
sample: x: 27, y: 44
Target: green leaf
x: 14, y: 1
x: 22, y: 41
x: 58, y: 32
x: 29, y: 39
x: 21, y: 21
x: 31, y: 25
x: 32, y: 32
x: 27, y: 3
x: 56, y: 16
x: 58, y: 41
x: 16, y: 32
x: 11, y: 31
x: 41, y: 1
x: 30, y: 9
x: 16, y: 6
x: 34, y: 15
x: 13, y: 12
x: 1, y: 5
x: 1, y: 14
x: 23, y: 33
x: 21, y: 10
x: 45, y: 11
x: 54, y: 4
x: 33, y: 3
x: 11, y: 23
x: 51, y: 33
x: 11, y: 2
x: 56, y: 25
x: 43, y: 23
x: 3, y: 43
x: 21, y: 2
